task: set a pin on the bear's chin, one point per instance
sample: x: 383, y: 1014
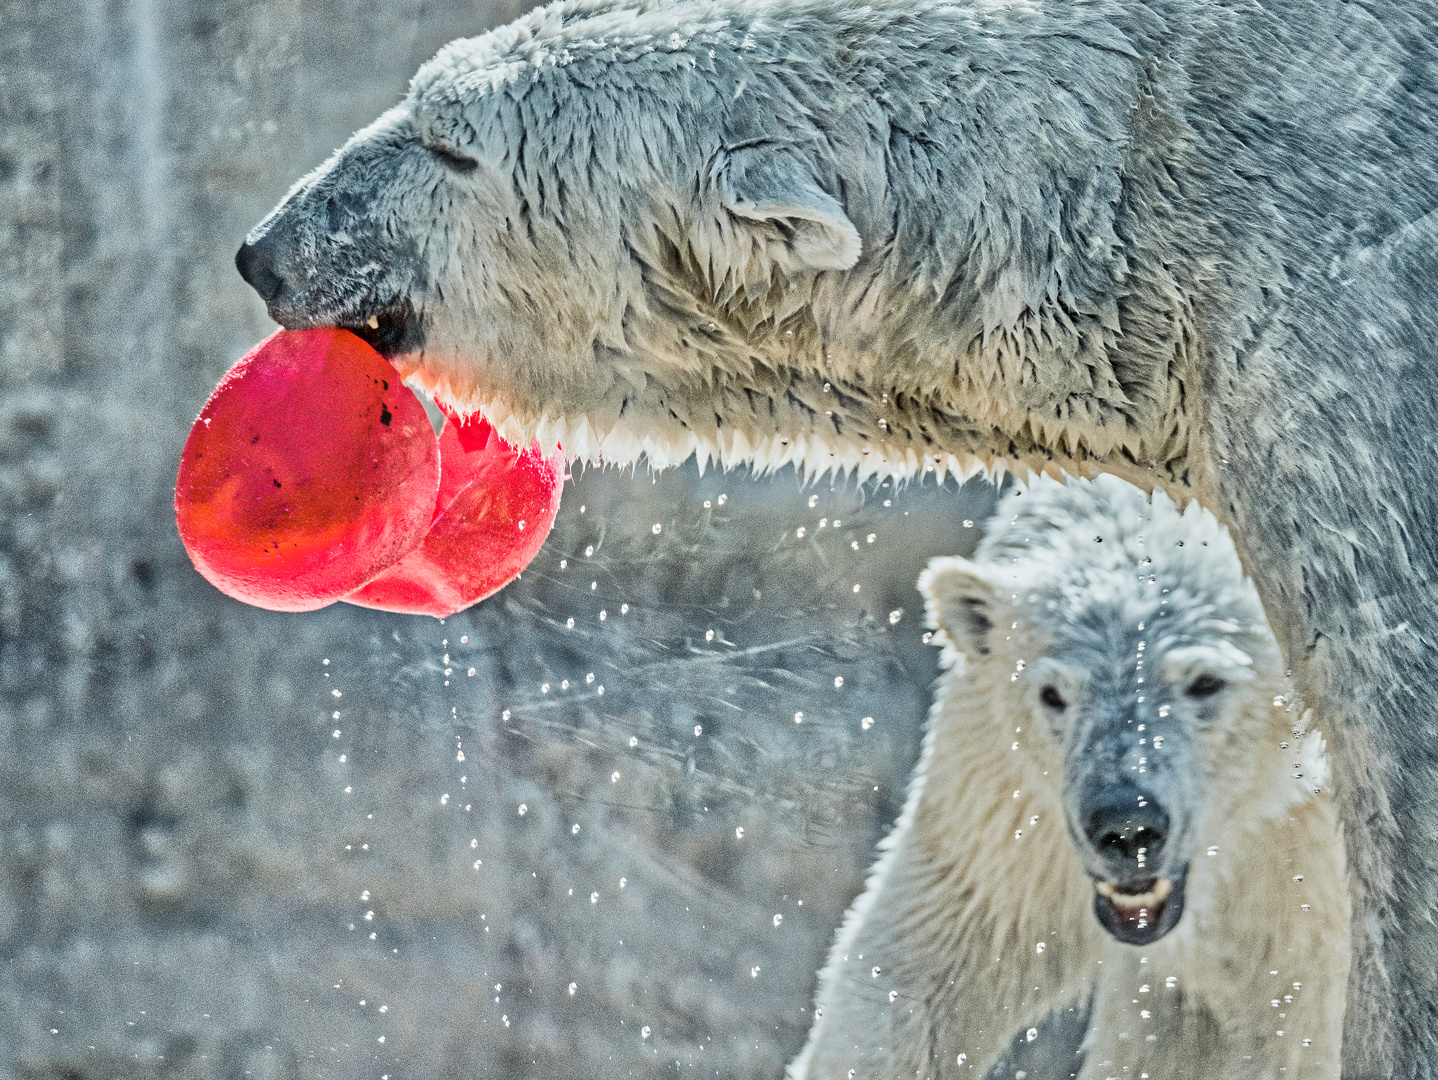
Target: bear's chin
x: 1144, y: 915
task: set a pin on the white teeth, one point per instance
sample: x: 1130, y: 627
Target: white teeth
x: 372, y: 322
x: 1157, y: 895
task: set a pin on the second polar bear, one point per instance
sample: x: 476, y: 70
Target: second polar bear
x: 1116, y: 808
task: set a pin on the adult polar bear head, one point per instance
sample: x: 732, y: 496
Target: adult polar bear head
x: 754, y: 233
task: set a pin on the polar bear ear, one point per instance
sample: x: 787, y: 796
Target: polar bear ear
x: 959, y: 599
x: 783, y: 219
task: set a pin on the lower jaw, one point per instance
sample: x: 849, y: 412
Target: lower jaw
x: 1142, y: 924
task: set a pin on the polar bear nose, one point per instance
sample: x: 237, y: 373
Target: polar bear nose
x: 255, y: 263
x: 1127, y: 828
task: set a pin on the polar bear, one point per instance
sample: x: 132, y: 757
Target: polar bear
x: 1190, y: 244
x: 1117, y: 807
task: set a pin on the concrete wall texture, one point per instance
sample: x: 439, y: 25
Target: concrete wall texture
x: 349, y: 844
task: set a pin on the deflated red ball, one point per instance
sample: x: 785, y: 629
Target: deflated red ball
x: 495, y: 507
x: 310, y: 470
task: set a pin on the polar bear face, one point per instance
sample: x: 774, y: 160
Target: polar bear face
x: 1120, y: 639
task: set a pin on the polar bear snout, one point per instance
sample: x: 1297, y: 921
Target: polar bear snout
x: 1126, y: 829
x: 1123, y: 837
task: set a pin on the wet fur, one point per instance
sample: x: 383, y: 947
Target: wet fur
x: 1192, y: 244
x: 978, y: 921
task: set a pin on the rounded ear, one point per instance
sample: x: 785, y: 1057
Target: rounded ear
x: 960, y: 598
x: 783, y: 219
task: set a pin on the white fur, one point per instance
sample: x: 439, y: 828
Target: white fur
x: 976, y: 932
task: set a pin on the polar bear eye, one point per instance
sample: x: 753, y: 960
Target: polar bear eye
x: 1205, y: 686
x: 1050, y: 696
x: 457, y: 162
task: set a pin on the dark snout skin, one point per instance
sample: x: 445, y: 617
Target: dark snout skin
x: 1126, y: 828
x: 256, y: 263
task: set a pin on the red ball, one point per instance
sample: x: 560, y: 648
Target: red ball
x: 496, y: 505
x: 310, y: 469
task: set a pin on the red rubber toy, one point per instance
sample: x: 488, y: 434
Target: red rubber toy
x: 496, y: 505
x: 310, y: 469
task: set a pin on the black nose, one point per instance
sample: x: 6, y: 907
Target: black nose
x: 255, y: 263
x: 1127, y: 828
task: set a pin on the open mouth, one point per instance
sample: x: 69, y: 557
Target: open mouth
x: 391, y: 331
x: 1141, y: 912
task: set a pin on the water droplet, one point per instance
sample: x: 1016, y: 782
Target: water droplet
x: 698, y: 730
x: 633, y: 741
x: 799, y: 532
x: 523, y: 809
x: 962, y: 1058
x: 1031, y: 1034
x: 658, y: 528
x: 1171, y: 981
x: 892, y: 995
x: 739, y: 832
x: 594, y: 898
x: 573, y: 987
x: 813, y: 501
x: 1213, y: 850
x: 838, y: 681
x: 708, y: 635
x: 874, y: 972
x: 589, y: 551
x: 644, y: 1032
x: 614, y: 777
x: 866, y: 723
x: 798, y: 718
x: 1039, y: 947
x: 778, y: 919
x: 574, y: 829
x: 895, y: 616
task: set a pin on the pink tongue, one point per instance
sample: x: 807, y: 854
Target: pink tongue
x: 311, y: 471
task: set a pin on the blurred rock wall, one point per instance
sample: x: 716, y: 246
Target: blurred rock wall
x: 349, y: 844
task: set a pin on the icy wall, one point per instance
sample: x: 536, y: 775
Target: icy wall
x: 348, y: 844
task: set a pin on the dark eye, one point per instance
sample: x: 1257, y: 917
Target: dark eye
x: 1205, y: 686
x: 457, y: 162
x: 1052, y: 698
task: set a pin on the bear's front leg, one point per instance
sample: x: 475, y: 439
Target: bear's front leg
x: 948, y: 954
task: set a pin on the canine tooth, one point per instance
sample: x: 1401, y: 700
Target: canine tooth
x: 372, y: 322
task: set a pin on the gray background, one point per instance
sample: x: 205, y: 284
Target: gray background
x: 204, y: 873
